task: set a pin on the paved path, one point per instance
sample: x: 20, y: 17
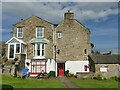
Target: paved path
x: 67, y: 83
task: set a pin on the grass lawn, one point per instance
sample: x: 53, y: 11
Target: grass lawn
x: 31, y: 82
x: 88, y: 83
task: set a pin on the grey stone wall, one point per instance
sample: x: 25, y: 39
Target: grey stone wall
x: 75, y: 39
x: 29, y: 31
x: 113, y: 70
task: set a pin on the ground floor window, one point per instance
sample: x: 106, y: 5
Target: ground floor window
x: 38, y: 66
x: 39, y: 49
x: 11, y: 51
x: 15, y: 48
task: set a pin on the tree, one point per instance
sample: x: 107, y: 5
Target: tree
x: 97, y: 52
x: 3, y: 48
x: 92, y: 46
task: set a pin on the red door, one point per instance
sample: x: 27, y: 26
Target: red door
x: 61, y: 69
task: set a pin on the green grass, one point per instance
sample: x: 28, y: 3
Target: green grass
x: 89, y: 83
x: 31, y: 82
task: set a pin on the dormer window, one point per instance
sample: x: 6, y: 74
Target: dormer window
x: 59, y: 35
x: 39, y: 32
x: 20, y: 32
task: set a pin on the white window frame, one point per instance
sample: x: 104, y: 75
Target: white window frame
x: 9, y: 50
x: 35, y: 51
x: 15, y: 49
x: 42, y: 32
x: 59, y: 35
x: 19, y: 32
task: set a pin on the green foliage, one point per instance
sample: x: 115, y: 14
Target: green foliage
x: 115, y: 78
x: 3, y: 48
x: 100, y: 77
x: 97, y: 52
x: 51, y: 74
x: 67, y: 74
x: 92, y: 45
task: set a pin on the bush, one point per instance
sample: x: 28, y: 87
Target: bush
x: 67, y: 74
x: 51, y: 74
x: 100, y: 77
x: 116, y: 78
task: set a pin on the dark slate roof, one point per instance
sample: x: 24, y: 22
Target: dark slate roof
x: 105, y: 59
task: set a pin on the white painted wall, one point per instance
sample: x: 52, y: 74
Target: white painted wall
x: 72, y: 66
x: 76, y: 66
x: 50, y: 65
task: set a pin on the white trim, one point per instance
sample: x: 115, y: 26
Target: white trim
x: 20, y: 47
x: 33, y: 49
x: 17, y: 33
x: 16, y: 39
x: 59, y: 35
x: 40, y: 50
x: 15, y: 48
x: 9, y: 50
x: 42, y: 32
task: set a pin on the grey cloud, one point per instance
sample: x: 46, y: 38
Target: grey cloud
x: 54, y: 11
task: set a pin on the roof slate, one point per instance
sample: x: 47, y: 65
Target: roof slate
x: 105, y: 59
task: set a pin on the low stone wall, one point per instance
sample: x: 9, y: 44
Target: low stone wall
x: 85, y: 75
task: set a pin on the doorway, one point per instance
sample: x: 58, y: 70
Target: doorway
x: 61, y: 69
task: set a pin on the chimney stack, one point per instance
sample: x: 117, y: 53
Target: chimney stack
x: 21, y: 19
x: 69, y: 15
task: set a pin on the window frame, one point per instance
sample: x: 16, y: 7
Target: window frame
x: 9, y: 50
x: 40, y: 49
x: 42, y: 28
x: 16, y: 47
x: 34, y: 67
x: 59, y: 35
x: 18, y: 28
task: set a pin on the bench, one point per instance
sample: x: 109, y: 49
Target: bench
x: 42, y: 75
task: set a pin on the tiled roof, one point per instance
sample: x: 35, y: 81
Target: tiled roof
x: 105, y: 59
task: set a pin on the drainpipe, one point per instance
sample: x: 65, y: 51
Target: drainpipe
x: 54, y: 48
x: 55, y: 60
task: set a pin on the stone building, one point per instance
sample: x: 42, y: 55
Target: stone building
x: 47, y: 47
x: 107, y: 65
x: 72, y: 45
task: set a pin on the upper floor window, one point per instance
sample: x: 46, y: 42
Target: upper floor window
x: 59, y: 35
x: 85, y: 51
x: 39, y: 32
x: 20, y: 32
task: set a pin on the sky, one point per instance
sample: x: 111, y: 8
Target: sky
x: 100, y: 17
